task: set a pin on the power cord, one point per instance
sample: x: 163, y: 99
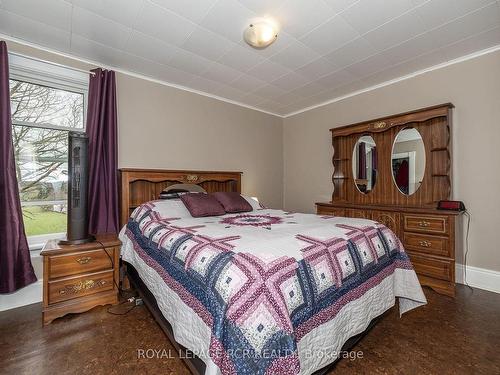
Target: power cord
x: 134, y: 303
x: 120, y: 290
x: 134, y: 300
x: 468, y: 215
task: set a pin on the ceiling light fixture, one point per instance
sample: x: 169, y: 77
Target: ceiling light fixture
x: 261, y: 33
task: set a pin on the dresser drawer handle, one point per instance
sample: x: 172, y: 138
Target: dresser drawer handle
x: 425, y: 243
x: 423, y: 224
x: 84, y: 260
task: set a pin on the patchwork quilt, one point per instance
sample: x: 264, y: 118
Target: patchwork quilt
x: 267, y: 286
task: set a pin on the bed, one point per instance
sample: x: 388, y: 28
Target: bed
x: 259, y: 292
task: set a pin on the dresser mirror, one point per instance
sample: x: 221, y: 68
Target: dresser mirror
x: 408, y: 160
x: 364, y: 164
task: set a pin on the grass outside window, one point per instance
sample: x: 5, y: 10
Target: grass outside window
x: 39, y: 220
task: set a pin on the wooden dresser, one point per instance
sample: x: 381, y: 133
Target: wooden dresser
x: 403, y: 198
x: 77, y: 278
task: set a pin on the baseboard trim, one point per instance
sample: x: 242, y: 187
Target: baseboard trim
x: 25, y: 296
x: 478, y: 278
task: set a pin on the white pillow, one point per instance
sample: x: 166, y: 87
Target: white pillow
x: 171, y: 208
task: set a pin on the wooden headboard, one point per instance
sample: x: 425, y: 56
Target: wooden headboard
x: 138, y: 186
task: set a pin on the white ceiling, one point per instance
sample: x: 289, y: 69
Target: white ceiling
x: 326, y: 48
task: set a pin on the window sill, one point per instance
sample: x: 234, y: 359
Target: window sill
x: 36, y: 247
x: 37, y: 243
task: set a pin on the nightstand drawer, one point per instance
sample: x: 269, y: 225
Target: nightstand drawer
x: 63, y: 290
x: 81, y: 262
x: 433, y: 267
x: 426, y: 244
x: 426, y: 224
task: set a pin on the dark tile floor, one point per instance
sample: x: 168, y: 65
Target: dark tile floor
x: 448, y: 336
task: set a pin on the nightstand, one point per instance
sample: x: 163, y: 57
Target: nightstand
x: 77, y: 278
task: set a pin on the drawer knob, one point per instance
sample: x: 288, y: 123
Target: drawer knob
x: 84, y: 260
x: 423, y: 223
x: 425, y: 243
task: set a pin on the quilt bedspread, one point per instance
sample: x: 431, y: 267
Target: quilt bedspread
x: 263, y: 280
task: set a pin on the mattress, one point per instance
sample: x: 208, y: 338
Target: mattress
x: 268, y: 291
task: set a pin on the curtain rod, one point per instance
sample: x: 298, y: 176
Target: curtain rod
x: 51, y: 63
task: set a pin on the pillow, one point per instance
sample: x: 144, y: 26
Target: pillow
x: 175, y: 190
x: 172, y: 194
x: 168, y: 195
x: 253, y: 202
x: 232, y: 202
x: 201, y: 205
x: 171, y: 208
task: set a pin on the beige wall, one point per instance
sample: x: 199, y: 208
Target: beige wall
x: 472, y: 86
x: 164, y: 127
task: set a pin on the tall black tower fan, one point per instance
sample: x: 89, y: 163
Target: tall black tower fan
x: 78, y: 225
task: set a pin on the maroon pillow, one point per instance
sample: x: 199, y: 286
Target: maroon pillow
x: 233, y: 202
x: 201, y: 204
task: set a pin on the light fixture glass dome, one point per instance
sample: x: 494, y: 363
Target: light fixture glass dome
x: 261, y: 34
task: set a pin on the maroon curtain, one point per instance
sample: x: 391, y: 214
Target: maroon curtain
x: 362, y: 160
x: 403, y: 176
x: 16, y: 270
x: 103, y: 153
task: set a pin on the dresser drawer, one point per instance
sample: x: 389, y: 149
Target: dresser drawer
x: 426, y: 224
x: 81, y: 262
x: 432, y: 267
x: 426, y: 244
x: 63, y: 290
x: 330, y: 211
x: 358, y: 214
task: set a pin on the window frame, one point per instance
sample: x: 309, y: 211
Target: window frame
x: 57, y: 77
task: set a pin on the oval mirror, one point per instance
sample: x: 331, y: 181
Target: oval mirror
x: 408, y: 160
x: 364, y: 164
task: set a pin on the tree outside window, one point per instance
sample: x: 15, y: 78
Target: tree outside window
x: 41, y: 118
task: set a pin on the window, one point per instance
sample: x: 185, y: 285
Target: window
x: 46, y: 103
